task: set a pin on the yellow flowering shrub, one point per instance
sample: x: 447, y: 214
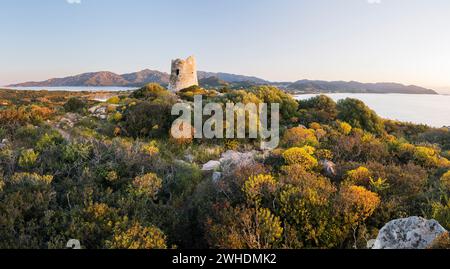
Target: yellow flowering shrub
x: 445, y: 181
x: 315, y: 126
x: 359, y: 176
x: 114, y: 100
x: 117, y: 117
x: 302, y: 156
x: 256, y: 186
x: 298, y: 137
x: 112, y: 176
x: 138, y: 237
x: 147, y: 185
x: 28, y: 158
x: 357, y: 203
x: 232, y: 144
x: 441, y: 213
x: 98, y: 211
x: 2, y: 184
x: 344, y: 127
x: 429, y: 157
x: 151, y: 149
x: 34, y: 178
x: 308, y: 209
x: 324, y: 154
x: 269, y: 225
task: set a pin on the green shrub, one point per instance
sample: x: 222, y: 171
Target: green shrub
x: 75, y: 105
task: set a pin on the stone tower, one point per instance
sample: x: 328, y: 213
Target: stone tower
x: 184, y: 74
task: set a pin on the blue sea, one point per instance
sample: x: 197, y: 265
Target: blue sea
x: 432, y: 110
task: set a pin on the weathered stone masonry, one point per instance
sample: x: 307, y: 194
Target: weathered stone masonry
x: 183, y: 74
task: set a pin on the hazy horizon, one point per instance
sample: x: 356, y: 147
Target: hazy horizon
x: 402, y: 41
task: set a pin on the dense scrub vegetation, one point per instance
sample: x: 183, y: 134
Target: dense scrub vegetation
x: 122, y: 182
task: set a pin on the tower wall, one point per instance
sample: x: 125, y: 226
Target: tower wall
x: 183, y: 74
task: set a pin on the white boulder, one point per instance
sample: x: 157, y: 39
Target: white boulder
x: 211, y: 166
x: 409, y: 233
x: 328, y: 167
x: 232, y: 159
x: 216, y: 176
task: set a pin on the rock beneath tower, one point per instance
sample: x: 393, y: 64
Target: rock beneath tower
x: 183, y: 74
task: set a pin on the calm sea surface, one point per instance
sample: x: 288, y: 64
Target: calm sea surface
x: 433, y: 110
x: 76, y: 89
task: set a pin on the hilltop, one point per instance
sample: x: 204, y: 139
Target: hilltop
x: 216, y: 80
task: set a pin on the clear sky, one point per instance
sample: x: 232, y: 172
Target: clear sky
x: 406, y: 41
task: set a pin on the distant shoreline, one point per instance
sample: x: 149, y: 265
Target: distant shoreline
x: 111, y: 89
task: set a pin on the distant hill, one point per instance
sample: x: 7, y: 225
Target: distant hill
x: 146, y: 76
x: 231, y: 78
x: 102, y: 79
x: 317, y: 86
x: 215, y: 80
x: 212, y: 82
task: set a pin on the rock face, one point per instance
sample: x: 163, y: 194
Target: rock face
x: 100, y: 111
x: 4, y: 143
x: 211, y: 166
x: 328, y: 167
x: 228, y: 162
x: 232, y: 159
x: 409, y: 233
x: 216, y: 176
x: 68, y: 121
x: 184, y: 74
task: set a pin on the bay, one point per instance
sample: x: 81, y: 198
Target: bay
x: 432, y: 110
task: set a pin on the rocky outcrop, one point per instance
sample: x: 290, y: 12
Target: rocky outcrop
x: 68, y: 121
x: 409, y: 233
x: 228, y: 162
x: 216, y: 176
x: 233, y: 159
x: 211, y: 166
x: 328, y: 167
x: 100, y: 112
x: 4, y: 143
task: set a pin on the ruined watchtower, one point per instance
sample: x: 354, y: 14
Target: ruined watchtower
x: 184, y: 74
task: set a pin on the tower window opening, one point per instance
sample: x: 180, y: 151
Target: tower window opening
x: 178, y: 72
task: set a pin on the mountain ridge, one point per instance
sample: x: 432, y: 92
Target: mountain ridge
x: 138, y: 79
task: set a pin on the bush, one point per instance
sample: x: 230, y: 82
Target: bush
x: 302, y: 156
x: 256, y: 187
x: 138, y: 237
x: 358, y: 115
x: 441, y: 213
x: 75, y: 105
x: 359, y: 176
x: 147, y: 185
x: 320, y: 109
x: 357, y: 204
x: 299, y: 137
x: 273, y: 95
x: 28, y: 158
x: 152, y: 92
x: 445, y: 181
x: 114, y: 100
x: 147, y: 120
x: 345, y: 128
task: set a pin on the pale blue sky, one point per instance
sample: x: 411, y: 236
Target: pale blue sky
x: 405, y: 41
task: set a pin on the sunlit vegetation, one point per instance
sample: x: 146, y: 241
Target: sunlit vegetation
x: 119, y: 180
